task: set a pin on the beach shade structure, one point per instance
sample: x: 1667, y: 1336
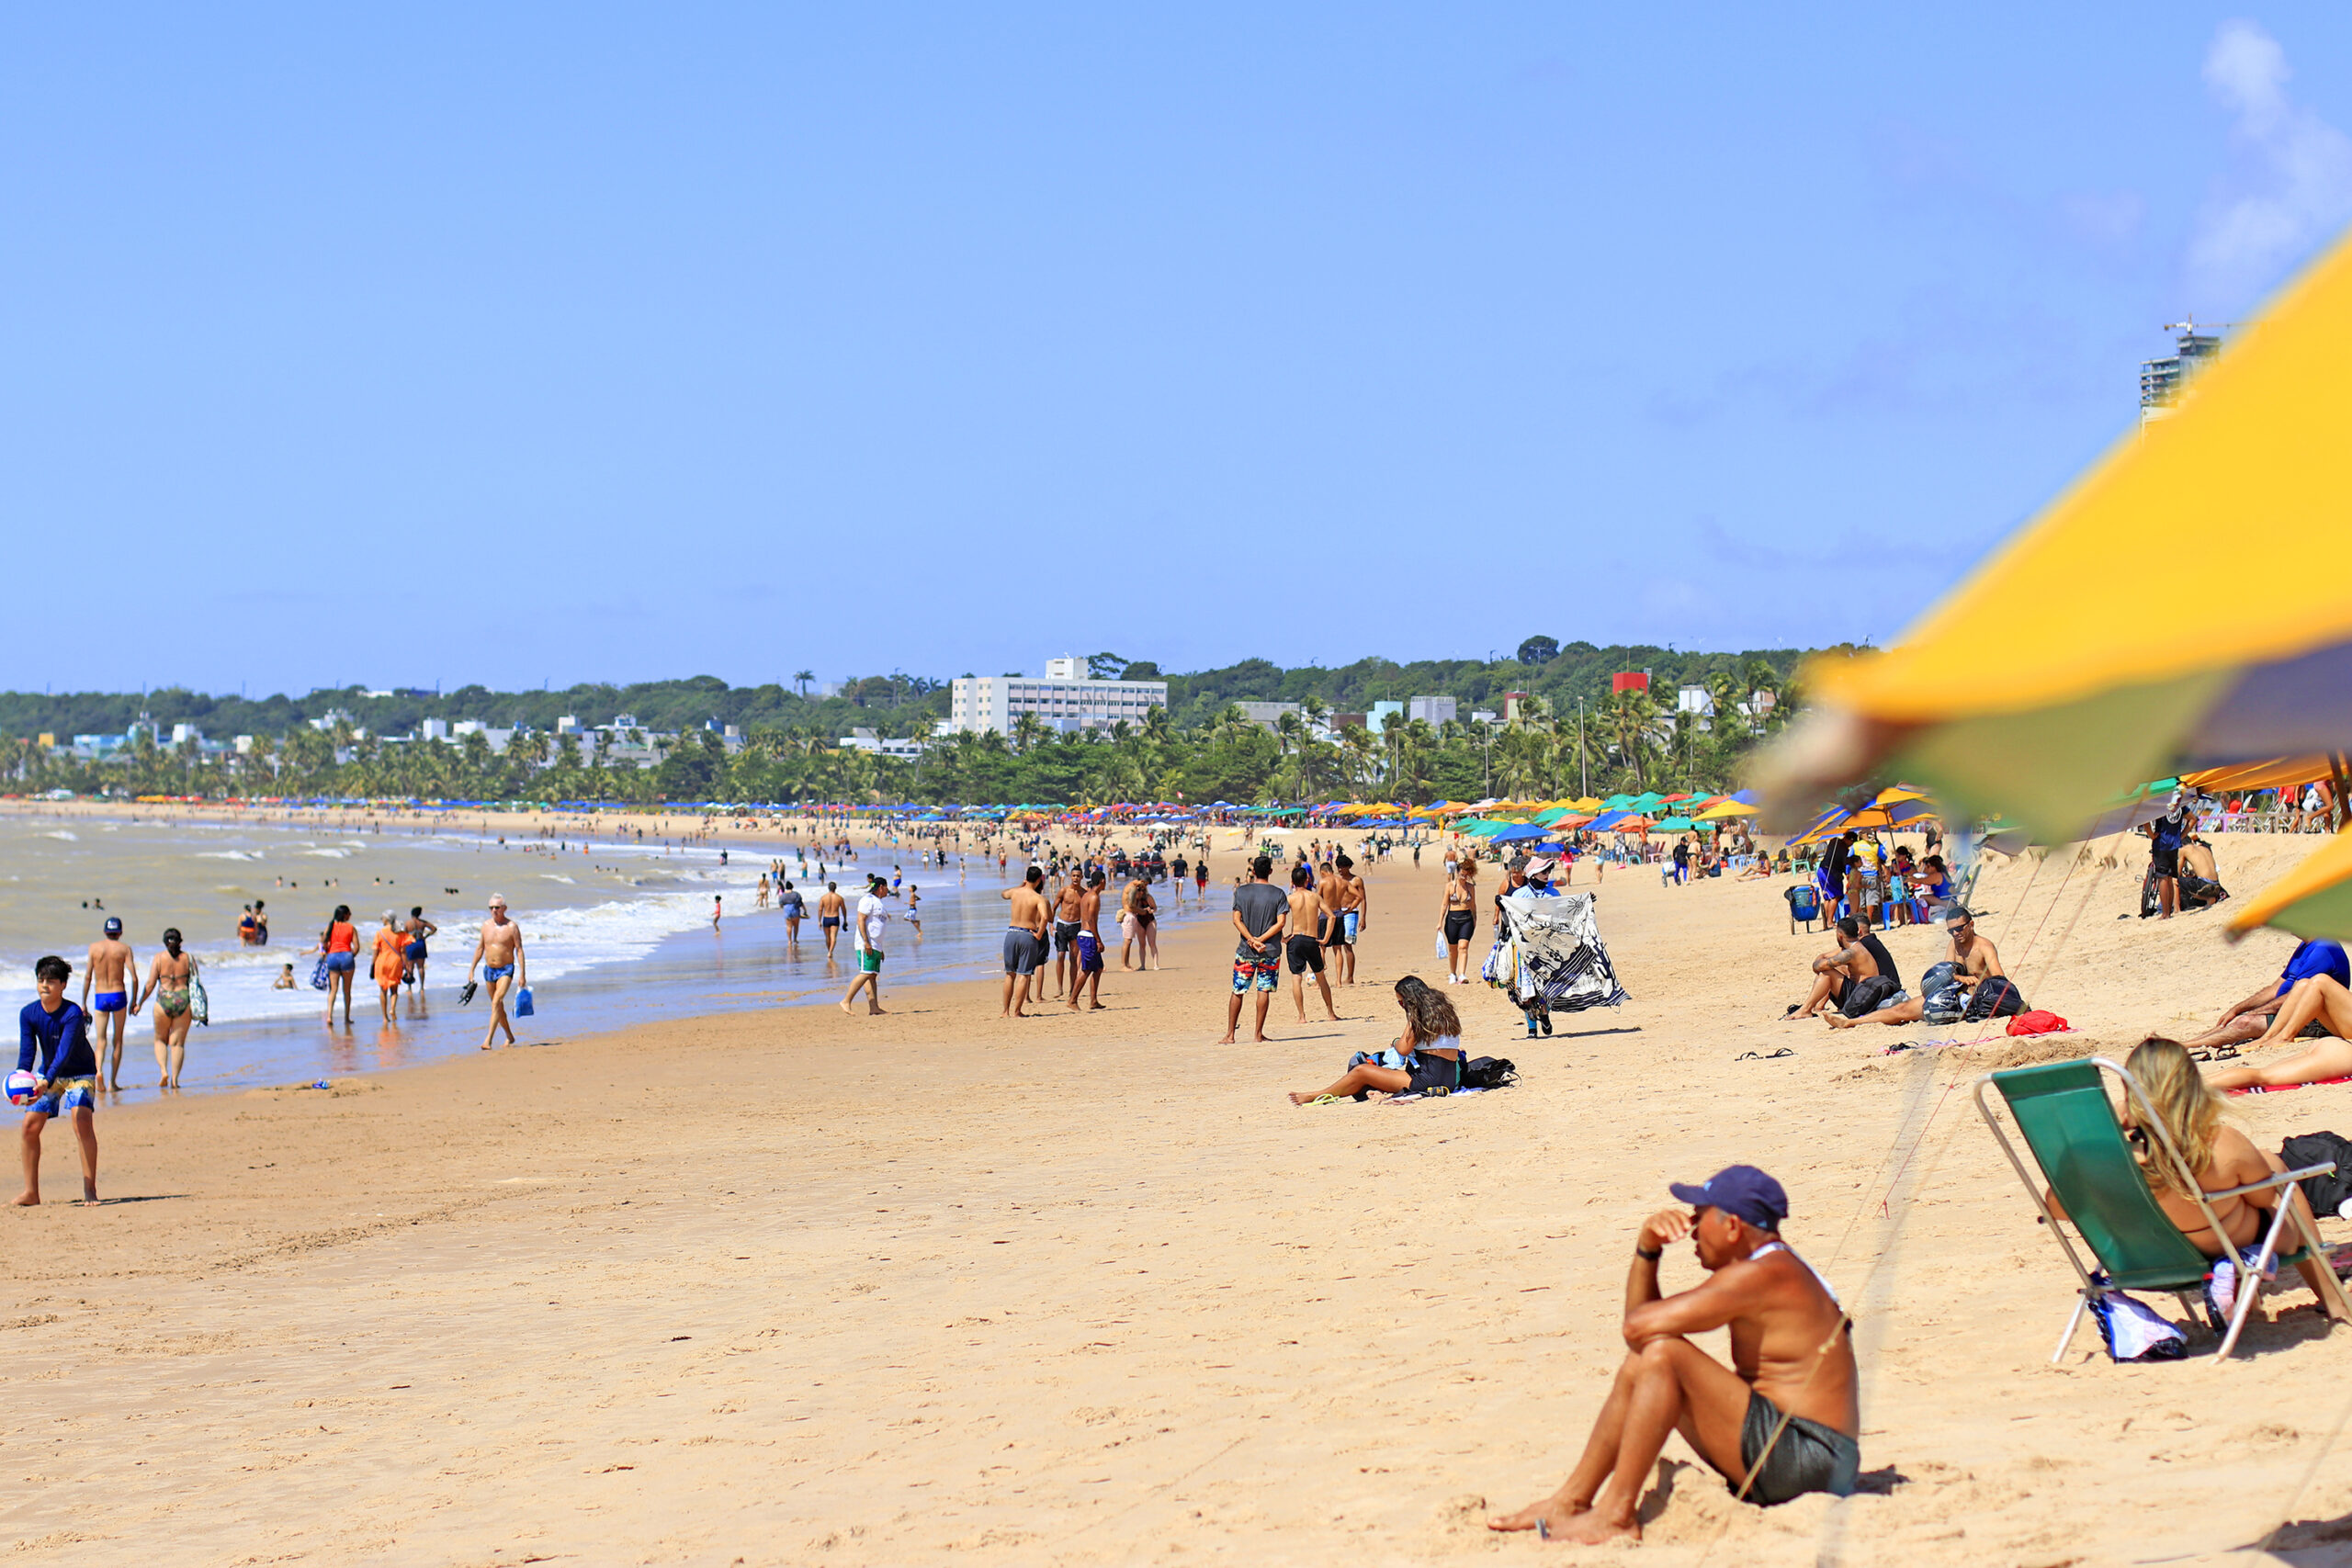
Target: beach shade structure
x: 1743, y: 803
x: 2043, y: 684
x: 2313, y: 899
x: 1607, y: 820
x: 1518, y: 832
x: 1677, y: 825
x: 1549, y: 815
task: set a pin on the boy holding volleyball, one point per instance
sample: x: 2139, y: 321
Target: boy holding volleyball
x: 54, y: 1046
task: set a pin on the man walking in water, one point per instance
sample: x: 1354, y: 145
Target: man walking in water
x: 831, y: 907
x: 114, y: 972
x: 1779, y: 1422
x: 498, y: 952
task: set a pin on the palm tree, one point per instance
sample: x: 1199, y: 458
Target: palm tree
x: 802, y: 678
x: 1633, y: 717
x: 1027, y: 730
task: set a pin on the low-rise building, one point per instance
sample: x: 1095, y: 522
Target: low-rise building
x: 1062, y: 702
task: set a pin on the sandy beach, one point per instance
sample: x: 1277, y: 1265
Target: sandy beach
x: 800, y: 1288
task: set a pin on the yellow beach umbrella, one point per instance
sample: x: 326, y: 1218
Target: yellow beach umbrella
x: 1728, y: 808
x: 2313, y: 899
x: 2051, y: 679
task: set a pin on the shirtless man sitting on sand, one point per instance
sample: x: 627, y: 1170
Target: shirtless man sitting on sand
x: 2250, y: 1020
x: 2318, y: 999
x: 1779, y: 1422
x: 1972, y: 956
x: 1858, y: 956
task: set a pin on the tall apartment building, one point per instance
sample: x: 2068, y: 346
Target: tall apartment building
x: 1063, y: 699
x: 2162, y: 381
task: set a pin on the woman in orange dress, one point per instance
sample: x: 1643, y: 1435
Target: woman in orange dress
x: 392, y: 963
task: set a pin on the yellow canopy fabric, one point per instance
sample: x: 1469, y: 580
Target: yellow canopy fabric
x: 2062, y: 611
x: 1729, y: 809
x: 2050, y: 679
x: 2258, y: 775
x: 2313, y: 899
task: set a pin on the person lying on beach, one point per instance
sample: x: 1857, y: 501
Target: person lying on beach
x: 1971, y: 980
x: 2220, y: 1156
x: 1855, y: 978
x: 1781, y: 1421
x: 1431, y: 1049
x: 2251, y: 1019
x: 2320, y: 1000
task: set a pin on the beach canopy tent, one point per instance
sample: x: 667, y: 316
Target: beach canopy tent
x: 1549, y: 815
x: 2281, y: 772
x: 1518, y: 832
x: 1896, y: 808
x: 2044, y: 684
x: 2313, y: 899
x: 1742, y: 803
x: 1681, y: 825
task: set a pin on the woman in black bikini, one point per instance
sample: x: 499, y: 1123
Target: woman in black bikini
x: 1461, y: 919
x: 1430, y: 1046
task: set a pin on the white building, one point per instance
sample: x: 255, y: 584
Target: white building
x: 1432, y: 710
x: 903, y: 750
x: 1063, y: 700
x: 1268, y: 715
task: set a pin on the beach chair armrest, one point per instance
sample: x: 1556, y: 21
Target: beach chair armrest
x: 2280, y: 1180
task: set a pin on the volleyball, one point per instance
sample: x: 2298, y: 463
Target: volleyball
x: 20, y: 1088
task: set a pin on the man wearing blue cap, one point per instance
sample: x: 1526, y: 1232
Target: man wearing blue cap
x: 1779, y: 1422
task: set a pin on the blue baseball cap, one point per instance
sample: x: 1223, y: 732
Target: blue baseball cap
x: 1740, y: 1191
x: 114, y: 926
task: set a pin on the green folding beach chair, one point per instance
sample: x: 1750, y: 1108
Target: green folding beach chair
x: 2063, y: 1111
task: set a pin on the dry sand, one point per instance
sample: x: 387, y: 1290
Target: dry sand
x: 806, y: 1289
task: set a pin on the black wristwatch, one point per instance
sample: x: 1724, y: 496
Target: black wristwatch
x: 1644, y: 1252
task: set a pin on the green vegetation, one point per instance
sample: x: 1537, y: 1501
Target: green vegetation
x: 1200, y: 749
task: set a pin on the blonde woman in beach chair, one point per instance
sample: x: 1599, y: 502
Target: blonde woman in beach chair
x: 2163, y: 1194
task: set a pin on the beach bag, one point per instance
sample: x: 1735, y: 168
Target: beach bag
x: 200, y: 1005
x: 523, y: 1002
x: 1490, y: 1072
x: 1942, y: 1000
x: 1867, y: 995
x: 2328, y: 1193
x: 2132, y: 1330
x: 1997, y: 997
x: 2041, y: 1020
x: 319, y: 975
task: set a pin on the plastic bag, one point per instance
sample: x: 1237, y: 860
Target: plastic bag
x: 523, y: 1002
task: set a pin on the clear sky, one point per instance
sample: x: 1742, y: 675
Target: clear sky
x: 507, y: 343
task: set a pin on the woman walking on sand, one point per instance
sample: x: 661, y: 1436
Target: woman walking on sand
x: 1461, y: 919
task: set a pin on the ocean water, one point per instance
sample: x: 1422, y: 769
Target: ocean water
x: 616, y: 933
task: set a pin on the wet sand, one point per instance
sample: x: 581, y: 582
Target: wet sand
x: 800, y: 1288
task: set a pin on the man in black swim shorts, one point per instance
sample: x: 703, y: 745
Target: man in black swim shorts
x: 1783, y: 1429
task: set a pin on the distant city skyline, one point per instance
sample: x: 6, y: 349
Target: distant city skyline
x: 559, y: 344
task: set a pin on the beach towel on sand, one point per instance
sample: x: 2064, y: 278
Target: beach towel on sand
x: 1549, y: 951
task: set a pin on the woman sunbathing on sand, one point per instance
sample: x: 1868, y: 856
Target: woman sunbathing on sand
x: 2220, y: 1156
x: 2320, y: 999
x: 1432, y: 1047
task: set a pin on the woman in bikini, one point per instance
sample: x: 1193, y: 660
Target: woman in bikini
x: 340, y: 943
x: 168, y: 980
x: 1430, y: 1050
x: 2221, y: 1157
x: 1461, y: 920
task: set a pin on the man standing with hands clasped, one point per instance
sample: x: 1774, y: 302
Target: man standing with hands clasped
x: 1779, y: 1422
x: 1259, y: 913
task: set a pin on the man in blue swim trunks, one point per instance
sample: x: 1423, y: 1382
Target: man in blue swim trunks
x: 1780, y: 1422
x: 53, y: 1044
x: 498, y: 952
x: 113, y: 969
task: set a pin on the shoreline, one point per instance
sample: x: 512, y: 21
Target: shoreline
x: 796, y: 1287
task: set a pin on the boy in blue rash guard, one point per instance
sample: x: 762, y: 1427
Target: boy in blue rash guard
x: 54, y: 1042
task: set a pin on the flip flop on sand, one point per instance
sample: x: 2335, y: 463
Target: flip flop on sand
x: 1765, y: 1056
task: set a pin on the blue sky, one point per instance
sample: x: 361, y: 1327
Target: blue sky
x: 515, y: 343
